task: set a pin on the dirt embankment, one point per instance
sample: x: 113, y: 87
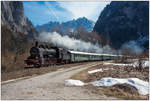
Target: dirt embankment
x: 34, y: 71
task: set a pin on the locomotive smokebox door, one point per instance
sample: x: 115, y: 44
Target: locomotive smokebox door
x: 36, y: 44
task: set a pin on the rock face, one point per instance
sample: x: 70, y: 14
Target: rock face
x: 17, y: 34
x: 67, y: 26
x: 124, y: 21
x: 12, y: 16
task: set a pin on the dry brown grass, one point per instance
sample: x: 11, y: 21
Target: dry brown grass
x: 119, y: 91
x: 126, y: 93
x: 33, y: 71
x: 114, y: 71
x: 81, y: 75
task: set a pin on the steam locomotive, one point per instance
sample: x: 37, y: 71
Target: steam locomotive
x: 43, y: 55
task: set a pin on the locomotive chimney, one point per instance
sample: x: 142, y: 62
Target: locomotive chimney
x: 36, y: 44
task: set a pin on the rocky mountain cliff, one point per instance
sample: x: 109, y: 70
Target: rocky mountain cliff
x: 13, y: 17
x: 125, y: 21
x: 17, y: 33
x: 67, y: 26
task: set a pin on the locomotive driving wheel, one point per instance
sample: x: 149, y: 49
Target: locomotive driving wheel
x: 37, y: 65
x: 37, y: 62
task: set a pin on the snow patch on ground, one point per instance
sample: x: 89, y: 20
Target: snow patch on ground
x: 134, y: 64
x: 144, y: 63
x: 94, y: 71
x: 97, y: 70
x: 142, y: 86
x: 117, y: 64
x: 71, y: 82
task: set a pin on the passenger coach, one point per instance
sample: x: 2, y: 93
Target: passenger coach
x: 76, y: 56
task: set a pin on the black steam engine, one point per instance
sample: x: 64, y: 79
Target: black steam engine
x: 43, y: 55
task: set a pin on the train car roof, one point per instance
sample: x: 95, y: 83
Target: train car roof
x: 86, y: 53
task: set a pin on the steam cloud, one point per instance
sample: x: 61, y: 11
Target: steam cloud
x: 73, y: 44
x: 133, y: 47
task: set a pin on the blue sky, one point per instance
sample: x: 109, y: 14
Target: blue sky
x: 41, y: 12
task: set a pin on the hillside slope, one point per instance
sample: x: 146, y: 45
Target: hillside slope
x: 17, y: 33
x: 125, y: 21
x: 13, y: 17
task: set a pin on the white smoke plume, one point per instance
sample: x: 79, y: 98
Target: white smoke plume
x: 73, y: 44
x: 134, y: 47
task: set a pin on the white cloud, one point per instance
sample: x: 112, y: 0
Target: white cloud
x: 57, y: 13
x: 84, y: 9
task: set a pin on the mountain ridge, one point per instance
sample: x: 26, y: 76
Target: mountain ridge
x: 67, y: 26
